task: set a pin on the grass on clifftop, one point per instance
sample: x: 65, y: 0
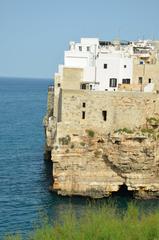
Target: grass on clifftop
x: 102, y: 223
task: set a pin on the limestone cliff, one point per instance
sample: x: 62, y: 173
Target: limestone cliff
x: 96, y: 164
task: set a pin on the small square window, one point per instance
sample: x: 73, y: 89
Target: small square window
x: 58, y: 84
x: 80, y: 48
x: 124, y: 66
x: 149, y: 80
x: 88, y: 49
x: 105, y: 66
x: 84, y: 104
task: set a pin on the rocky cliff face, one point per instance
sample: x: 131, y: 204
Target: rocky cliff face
x: 97, y: 162
x: 97, y: 165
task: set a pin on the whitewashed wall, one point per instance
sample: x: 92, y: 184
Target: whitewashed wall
x: 115, y: 69
x: 91, y: 58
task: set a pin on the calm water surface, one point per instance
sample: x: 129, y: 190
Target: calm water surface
x: 24, y: 176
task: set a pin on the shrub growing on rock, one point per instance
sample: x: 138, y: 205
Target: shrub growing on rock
x: 90, y: 133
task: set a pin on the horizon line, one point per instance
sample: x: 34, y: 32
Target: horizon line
x: 20, y: 77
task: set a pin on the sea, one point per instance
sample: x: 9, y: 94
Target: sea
x: 24, y: 175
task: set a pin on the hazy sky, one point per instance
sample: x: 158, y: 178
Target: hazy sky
x: 35, y: 33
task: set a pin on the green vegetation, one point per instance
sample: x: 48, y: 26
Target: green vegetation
x: 147, y: 130
x: 151, y: 129
x: 16, y: 237
x: 100, y: 223
x: 150, y: 132
x: 65, y: 140
x: 90, y: 133
x: 124, y: 130
x: 153, y: 121
x: 82, y: 144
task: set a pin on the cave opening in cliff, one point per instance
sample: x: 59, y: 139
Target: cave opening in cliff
x: 123, y: 192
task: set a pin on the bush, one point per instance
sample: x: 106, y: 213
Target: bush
x: 90, y: 133
x: 124, y: 130
x: 82, y: 144
x: 153, y: 121
x: 101, y: 223
x: 147, y: 130
x: 65, y: 140
x: 14, y: 237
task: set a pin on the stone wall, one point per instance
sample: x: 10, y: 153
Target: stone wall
x: 123, y: 109
x: 72, y: 77
x: 146, y: 71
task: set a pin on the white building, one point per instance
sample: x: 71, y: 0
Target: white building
x: 113, y: 67
x: 106, y: 64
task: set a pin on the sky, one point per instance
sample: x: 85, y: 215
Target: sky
x: 35, y: 33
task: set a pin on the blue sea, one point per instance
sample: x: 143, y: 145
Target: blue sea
x: 24, y: 175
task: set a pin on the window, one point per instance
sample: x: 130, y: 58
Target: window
x: 141, y: 62
x: 83, y: 115
x: 124, y: 66
x: 84, y: 104
x: 80, y: 48
x: 105, y: 66
x: 149, y: 80
x: 113, y: 82
x: 88, y: 49
x: 140, y: 80
x: 58, y: 84
x: 83, y: 86
x: 104, y: 114
x: 126, y: 81
x: 106, y: 89
x: 90, y: 86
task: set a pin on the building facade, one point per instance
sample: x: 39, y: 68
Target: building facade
x: 114, y: 66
